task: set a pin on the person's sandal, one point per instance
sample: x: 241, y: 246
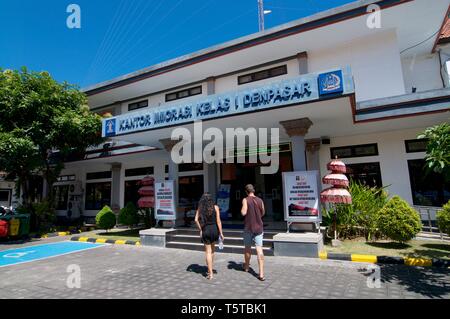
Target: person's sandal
x: 262, y: 278
x: 209, y: 276
x: 244, y: 268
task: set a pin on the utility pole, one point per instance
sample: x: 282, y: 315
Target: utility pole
x: 261, y: 15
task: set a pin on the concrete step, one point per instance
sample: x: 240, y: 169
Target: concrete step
x: 233, y: 249
x: 228, y: 233
x: 231, y: 240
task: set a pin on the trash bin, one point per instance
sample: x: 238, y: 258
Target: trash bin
x: 24, y: 228
x: 4, y: 227
x: 14, y: 226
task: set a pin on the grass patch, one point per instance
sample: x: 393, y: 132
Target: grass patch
x: 128, y: 234
x: 413, y: 248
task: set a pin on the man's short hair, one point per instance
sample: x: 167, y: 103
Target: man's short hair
x: 249, y: 188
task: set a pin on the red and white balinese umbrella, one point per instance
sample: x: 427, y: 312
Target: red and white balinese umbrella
x: 337, y: 193
x: 148, y: 192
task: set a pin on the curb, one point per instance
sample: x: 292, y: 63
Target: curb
x: 106, y: 241
x: 56, y: 234
x: 407, y: 261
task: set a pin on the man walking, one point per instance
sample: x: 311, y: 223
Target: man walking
x: 253, y: 212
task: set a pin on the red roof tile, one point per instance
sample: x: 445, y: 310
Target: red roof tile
x: 445, y: 32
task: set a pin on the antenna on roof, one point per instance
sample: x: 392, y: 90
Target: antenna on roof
x: 261, y: 13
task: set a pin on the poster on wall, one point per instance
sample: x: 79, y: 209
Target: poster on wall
x: 223, y: 201
x: 301, y: 196
x: 165, y: 201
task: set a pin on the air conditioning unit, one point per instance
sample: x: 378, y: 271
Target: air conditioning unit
x: 76, y: 188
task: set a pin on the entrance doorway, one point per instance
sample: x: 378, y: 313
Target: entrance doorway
x: 268, y: 186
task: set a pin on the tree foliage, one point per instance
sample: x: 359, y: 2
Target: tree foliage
x: 438, y: 148
x: 39, y: 116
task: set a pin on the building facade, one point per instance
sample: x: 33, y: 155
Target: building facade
x: 335, y: 84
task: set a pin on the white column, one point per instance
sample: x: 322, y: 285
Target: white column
x: 312, y: 154
x: 168, y: 144
x: 298, y: 153
x: 115, y: 187
x: 297, y: 129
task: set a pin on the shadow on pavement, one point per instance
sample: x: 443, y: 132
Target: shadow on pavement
x: 427, y: 281
x: 198, y: 269
x: 240, y: 267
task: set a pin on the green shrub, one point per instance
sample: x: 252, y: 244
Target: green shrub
x: 45, y: 215
x: 105, y: 218
x: 443, y: 218
x: 360, y: 217
x: 398, y: 221
x: 129, y: 215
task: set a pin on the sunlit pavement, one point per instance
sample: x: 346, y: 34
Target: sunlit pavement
x: 115, y: 271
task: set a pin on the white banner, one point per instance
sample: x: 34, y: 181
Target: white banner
x: 301, y: 196
x: 165, y: 201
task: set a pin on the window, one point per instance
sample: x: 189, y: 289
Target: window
x: 354, y: 151
x: 98, y: 175
x: 187, y: 167
x: 428, y: 188
x: 137, y: 105
x: 66, y: 178
x: 261, y: 75
x: 131, y: 192
x: 61, y: 193
x: 97, y: 195
x: 183, y: 93
x: 415, y: 146
x: 365, y: 173
x: 142, y: 171
x: 4, y: 195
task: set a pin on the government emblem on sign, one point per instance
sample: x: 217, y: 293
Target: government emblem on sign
x: 110, y: 127
x: 330, y: 83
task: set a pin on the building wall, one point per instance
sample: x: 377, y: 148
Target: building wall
x: 375, y: 64
x: 392, y: 157
x: 374, y: 60
x: 422, y: 72
x: 155, y: 100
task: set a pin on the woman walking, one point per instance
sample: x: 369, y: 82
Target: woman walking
x: 208, y: 222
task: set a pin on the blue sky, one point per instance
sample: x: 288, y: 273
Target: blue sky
x: 122, y: 36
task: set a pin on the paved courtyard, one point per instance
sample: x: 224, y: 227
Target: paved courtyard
x: 115, y: 271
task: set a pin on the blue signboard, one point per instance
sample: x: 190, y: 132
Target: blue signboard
x: 331, y: 83
x: 306, y: 88
x: 223, y: 201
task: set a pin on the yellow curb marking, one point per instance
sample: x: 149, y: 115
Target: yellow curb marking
x: 418, y: 262
x: 138, y: 243
x: 101, y: 241
x: 364, y: 258
x: 83, y: 239
x: 323, y: 255
x: 120, y: 242
x: 63, y: 233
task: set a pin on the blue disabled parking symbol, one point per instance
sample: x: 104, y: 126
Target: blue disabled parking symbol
x: 32, y: 253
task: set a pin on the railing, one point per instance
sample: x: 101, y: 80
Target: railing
x: 428, y: 217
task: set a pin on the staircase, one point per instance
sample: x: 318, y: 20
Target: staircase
x: 189, y: 238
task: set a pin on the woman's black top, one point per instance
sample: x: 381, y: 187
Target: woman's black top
x: 210, y: 231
